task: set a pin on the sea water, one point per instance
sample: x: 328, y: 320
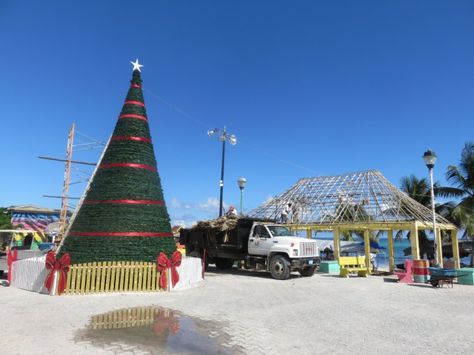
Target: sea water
x: 399, y: 245
x: 381, y: 258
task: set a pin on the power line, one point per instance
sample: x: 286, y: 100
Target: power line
x: 207, y: 125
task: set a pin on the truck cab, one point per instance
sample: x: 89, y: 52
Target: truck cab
x: 281, y: 251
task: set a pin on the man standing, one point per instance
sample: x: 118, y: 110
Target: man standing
x: 231, y: 212
x: 284, y: 213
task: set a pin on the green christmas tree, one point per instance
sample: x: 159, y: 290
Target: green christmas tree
x: 123, y: 216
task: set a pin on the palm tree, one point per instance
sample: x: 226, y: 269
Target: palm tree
x: 462, y: 179
x: 420, y: 191
x: 417, y: 189
x: 5, y: 219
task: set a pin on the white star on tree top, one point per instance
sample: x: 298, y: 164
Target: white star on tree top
x: 136, y: 65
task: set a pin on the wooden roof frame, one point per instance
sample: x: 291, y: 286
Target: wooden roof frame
x: 362, y: 201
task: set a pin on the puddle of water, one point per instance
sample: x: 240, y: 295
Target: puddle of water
x: 155, y: 330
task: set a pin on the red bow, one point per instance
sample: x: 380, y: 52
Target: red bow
x: 163, y: 263
x: 61, y: 265
x: 165, y: 319
x: 12, y: 256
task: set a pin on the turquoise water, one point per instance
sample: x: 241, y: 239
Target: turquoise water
x: 381, y: 259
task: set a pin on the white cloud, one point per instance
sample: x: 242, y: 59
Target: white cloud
x: 187, y: 220
x: 268, y: 199
x: 211, y: 205
x: 183, y: 222
x: 178, y: 222
x: 175, y: 203
x: 188, y: 213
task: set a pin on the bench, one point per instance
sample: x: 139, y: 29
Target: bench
x: 349, y: 264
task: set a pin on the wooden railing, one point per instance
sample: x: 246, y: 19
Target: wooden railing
x: 113, y: 276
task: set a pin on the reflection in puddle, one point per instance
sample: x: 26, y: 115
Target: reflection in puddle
x: 156, y: 330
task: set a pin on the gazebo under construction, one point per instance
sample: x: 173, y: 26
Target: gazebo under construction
x: 363, y: 201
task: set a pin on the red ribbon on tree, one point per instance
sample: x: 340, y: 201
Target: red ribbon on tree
x: 125, y: 202
x: 127, y: 165
x: 53, y: 265
x: 12, y: 256
x: 163, y: 263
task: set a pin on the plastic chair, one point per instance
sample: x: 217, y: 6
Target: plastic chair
x: 407, y: 275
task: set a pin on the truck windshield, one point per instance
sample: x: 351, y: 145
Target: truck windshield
x: 279, y: 231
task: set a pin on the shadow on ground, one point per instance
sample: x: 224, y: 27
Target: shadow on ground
x: 263, y: 274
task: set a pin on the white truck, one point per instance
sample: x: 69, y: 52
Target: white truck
x: 256, y: 244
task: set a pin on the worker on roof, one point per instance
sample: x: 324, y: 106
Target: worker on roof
x: 232, y: 211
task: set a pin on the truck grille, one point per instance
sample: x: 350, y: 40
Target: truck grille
x: 307, y: 249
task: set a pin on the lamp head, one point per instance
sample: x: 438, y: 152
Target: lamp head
x: 430, y: 158
x: 212, y: 132
x: 232, y: 139
x: 242, y: 182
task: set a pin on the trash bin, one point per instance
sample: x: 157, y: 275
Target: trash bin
x: 466, y: 276
x: 420, y: 270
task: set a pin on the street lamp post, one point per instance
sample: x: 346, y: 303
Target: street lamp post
x: 241, y: 182
x: 430, y: 159
x: 223, y: 137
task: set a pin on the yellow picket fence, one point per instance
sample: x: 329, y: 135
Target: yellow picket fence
x: 112, y: 276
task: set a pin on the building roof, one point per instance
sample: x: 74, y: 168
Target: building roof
x: 32, y: 209
x: 176, y: 230
x: 365, y: 196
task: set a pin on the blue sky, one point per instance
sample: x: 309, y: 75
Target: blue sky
x: 308, y: 87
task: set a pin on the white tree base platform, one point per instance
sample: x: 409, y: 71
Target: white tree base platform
x: 30, y: 274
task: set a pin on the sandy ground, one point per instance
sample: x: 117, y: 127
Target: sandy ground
x: 260, y: 315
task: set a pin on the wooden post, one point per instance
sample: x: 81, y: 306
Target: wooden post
x: 455, y: 244
x: 439, y: 247
x: 391, y: 259
x: 54, y: 289
x: 367, y: 250
x: 415, y: 248
x: 335, y: 234
x: 309, y: 233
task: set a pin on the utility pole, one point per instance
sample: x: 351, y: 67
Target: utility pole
x: 67, y: 176
x: 223, y: 137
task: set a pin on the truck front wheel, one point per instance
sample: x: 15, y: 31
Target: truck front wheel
x: 308, y: 271
x: 279, y: 267
x: 224, y: 263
